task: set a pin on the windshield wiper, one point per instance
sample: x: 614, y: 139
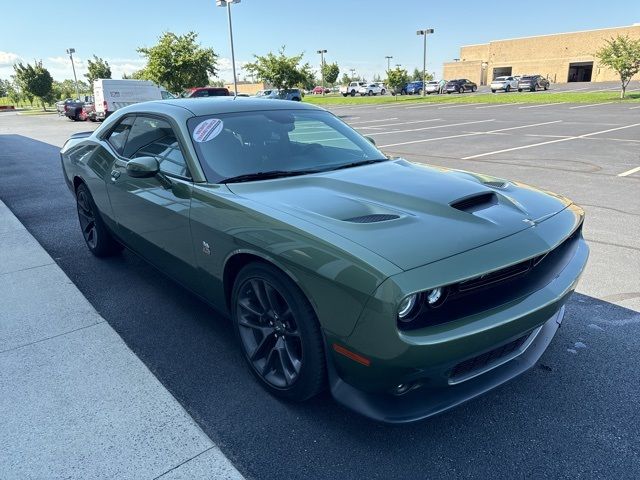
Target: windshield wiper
x: 248, y: 177
x: 360, y: 162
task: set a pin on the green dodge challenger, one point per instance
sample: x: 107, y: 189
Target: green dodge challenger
x: 406, y: 289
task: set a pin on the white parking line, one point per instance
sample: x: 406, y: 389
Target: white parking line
x: 590, y: 105
x: 569, y: 90
x: 372, y: 121
x: 543, y: 105
x: 471, y: 134
x: 402, y: 123
x: 431, y: 128
x: 549, y: 142
x: 499, y: 105
x: 634, y: 108
x: 629, y: 172
x: 456, y: 106
x: 426, y: 105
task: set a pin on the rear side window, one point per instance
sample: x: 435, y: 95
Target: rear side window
x: 118, y: 136
x: 154, y: 137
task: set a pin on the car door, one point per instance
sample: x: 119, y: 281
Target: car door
x: 152, y: 214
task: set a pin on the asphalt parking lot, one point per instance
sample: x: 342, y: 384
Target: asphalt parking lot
x: 574, y: 415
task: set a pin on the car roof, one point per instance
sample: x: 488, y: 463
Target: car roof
x: 213, y: 105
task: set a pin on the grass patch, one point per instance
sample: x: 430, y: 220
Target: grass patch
x: 514, y: 97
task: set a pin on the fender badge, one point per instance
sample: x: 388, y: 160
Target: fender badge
x: 205, y: 248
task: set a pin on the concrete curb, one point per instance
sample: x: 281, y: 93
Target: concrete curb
x: 75, y: 401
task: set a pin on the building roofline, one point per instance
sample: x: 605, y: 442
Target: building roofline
x: 552, y: 35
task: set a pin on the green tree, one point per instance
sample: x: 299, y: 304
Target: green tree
x: 34, y: 81
x: 178, y: 62
x: 346, y: 79
x: 98, y: 68
x: 4, y: 87
x: 330, y: 72
x: 13, y: 92
x: 281, y: 71
x: 417, y: 76
x: 396, y: 79
x: 621, y: 54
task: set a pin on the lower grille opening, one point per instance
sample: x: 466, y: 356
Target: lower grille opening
x: 488, y: 359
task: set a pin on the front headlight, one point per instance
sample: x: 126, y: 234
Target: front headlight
x: 407, y: 306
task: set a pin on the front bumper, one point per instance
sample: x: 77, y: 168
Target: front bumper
x: 452, y: 362
x: 424, y: 402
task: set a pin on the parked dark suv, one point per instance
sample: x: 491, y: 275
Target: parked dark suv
x: 533, y: 83
x: 460, y: 85
x: 208, y: 92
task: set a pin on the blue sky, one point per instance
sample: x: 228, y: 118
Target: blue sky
x: 357, y: 33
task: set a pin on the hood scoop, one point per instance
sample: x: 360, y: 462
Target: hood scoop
x: 372, y: 218
x: 475, y: 202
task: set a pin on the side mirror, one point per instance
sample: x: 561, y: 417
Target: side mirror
x: 370, y: 139
x: 143, y: 167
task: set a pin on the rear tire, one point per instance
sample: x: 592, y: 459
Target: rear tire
x: 353, y: 93
x: 507, y: 89
x: 96, y: 234
x: 278, y: 333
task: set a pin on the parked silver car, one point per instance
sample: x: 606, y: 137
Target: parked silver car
x: 504, y: 83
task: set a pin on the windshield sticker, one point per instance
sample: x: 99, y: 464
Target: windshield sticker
x: 207, y: 130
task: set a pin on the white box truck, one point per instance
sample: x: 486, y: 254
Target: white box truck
x: 110, y: 95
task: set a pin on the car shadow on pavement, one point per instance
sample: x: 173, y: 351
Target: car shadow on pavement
x: 574, y: 414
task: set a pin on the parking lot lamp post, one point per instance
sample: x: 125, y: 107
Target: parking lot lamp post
x: 322, y: 52
x: 353, y: 73
x: 227, y: 3
x: 424, y: 33
x: 70, y: 52
x: 388, y: 57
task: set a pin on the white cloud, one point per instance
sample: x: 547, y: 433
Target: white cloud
x: 7, y: 59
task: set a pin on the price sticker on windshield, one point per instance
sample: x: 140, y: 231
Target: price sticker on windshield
x: 207, y: 130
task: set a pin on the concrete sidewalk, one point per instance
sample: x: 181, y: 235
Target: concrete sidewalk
x: 75, y: 402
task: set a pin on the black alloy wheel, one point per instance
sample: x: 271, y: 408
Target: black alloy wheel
x: 96, y: 234
x: 278, y: 332
x: 87, y: 218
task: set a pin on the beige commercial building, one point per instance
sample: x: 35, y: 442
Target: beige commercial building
x: 561, y: 57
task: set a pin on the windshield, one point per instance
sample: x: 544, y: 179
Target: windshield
x: 289, y: 142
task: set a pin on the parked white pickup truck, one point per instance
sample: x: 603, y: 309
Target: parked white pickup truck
x: 352, y: 88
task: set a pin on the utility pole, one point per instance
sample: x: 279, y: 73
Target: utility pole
x: 424, y: 57
x: 227, y: 3
x: 70, y: 52
x: 322, y: 52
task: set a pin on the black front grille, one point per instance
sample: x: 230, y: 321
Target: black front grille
x: 487, y: 359
x: 498, y: 287
x: 373, y: 218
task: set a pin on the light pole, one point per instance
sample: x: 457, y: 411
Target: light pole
x: 388, y: 57
x: 353, y: 73
x: 322, y: 52
x: 227, y: 3
x: 424, y: 57
x: 70, y: 52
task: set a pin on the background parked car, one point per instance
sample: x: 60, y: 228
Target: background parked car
x: 294, y: 94
x: 414, y: 87
x: 208, y: 92
x: 533, y: 83
x: 318, y: 90
x: 432, y: 87
x: 60, y: 105
x: 351, y: 89
x: 371, y: 89
x: 504, y: 83
x: 460, y: 85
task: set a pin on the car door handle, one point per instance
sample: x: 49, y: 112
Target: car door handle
x: 114, y: 175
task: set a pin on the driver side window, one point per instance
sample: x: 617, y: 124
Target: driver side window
x: 154, y: 137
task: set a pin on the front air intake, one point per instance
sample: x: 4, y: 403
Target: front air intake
x: 475, y: 202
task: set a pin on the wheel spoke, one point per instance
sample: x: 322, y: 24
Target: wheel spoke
x: 250, y: 308
x: 264, y: 345
x: 257, y: 287
x: 290, y: 357
x: 266, y: 368
x: 272, y: 297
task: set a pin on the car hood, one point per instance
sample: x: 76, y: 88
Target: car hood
x: 409, y: 214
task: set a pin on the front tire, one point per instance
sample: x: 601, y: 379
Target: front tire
x: 353, y: 93
x: 278, y: 332
x: 96, y: 234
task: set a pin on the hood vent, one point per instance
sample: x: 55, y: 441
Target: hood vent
x: 476, y: 202
x: 373, y: 218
